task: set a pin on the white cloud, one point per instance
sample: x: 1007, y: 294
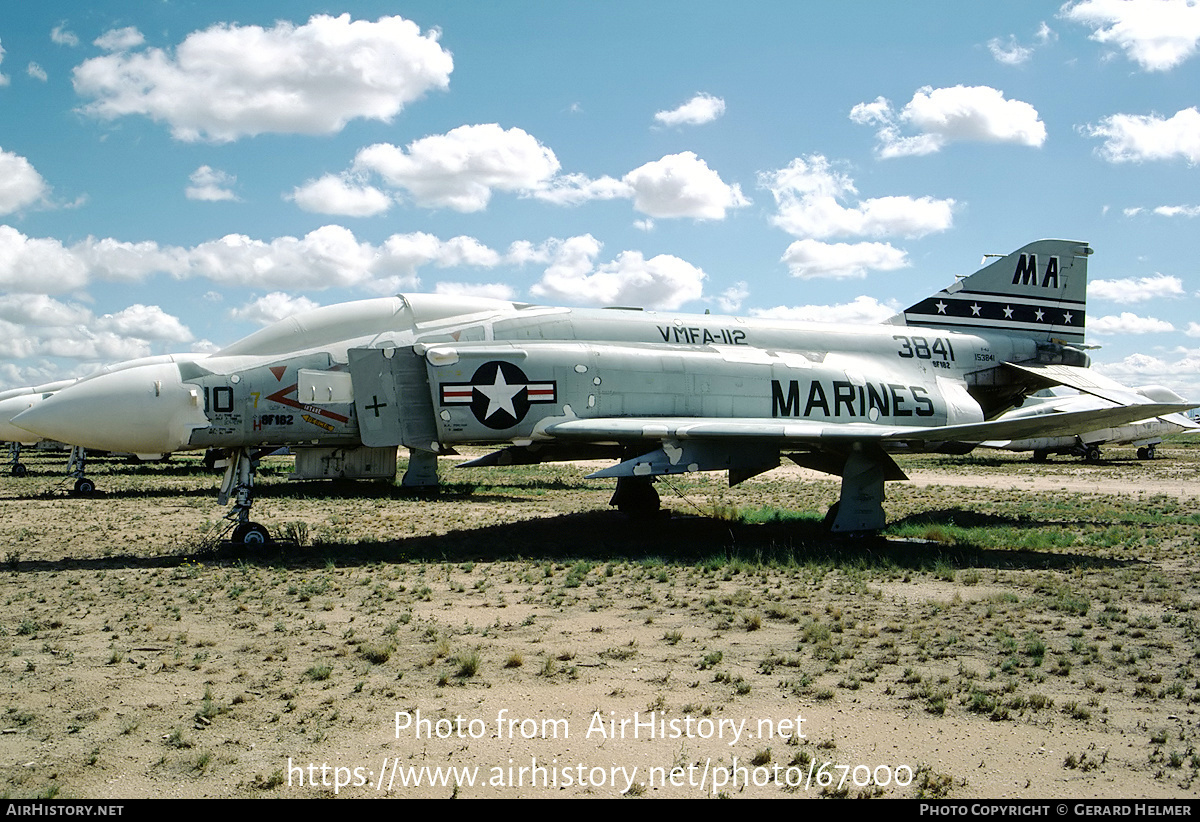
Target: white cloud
x: 1177, y: 211
x: 1134, y: 138
x: 1156, y: 34
x: 35, y: 71
x: 573, y: 189
x: 461, y: 169
x: 342, y: 195
x: 664, y: 281
x: 20, y: 184
x: 1010, y: 52
x: 145, y: 322
x: 120, y: 39
x: 810, y: 258
x: 945, y: 115
x: 682, y: 185
x: 703, y: 108
x: 273, y: 307
x: 731, y: 299
x: 860, y: 311
x: 39, y: 310
x: 1136, y: 289
x: 231, y: 81
x: 1127, y: 323
x: 38, y: 266
x: 498, y: 291
x: 4, y: 78
x: 808, y: 191
x: 62, y: 37
x: 210, y: 185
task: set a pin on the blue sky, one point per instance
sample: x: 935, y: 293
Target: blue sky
x: 173, y: 175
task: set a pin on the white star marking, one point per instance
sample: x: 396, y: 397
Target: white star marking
x: 941, y: 307
x: 1067, y: 318
x: 1008, y: 312
x: 500, y: 395
x: 1039, y: 314
x: 975, y: 309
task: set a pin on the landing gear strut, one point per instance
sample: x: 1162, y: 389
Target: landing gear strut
x: 76, y: 467
x: 238, y: 483
x: 16, y: 469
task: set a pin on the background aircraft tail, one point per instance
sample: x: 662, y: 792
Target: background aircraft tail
x: 1038, y: 291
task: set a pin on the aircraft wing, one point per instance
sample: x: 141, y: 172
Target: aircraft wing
x: 812, y: 433
x: 1085, y: 380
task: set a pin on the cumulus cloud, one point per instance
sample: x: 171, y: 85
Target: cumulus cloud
x: 682, y: 185
x: 273, y: 307
x: 811, y: 258
x: 35, y: 71
x: 731, y: 299
x: 1127, y: 323
x: 327, y: 257
x: 860, y: 311
x: 1135, y: 138
x: 808, y: 192
x: 1012, y: 53
x: 1177, y: 211
x: 703, y: 108
x: 120, y: 39
x: 1156, y: 34
x: 20, y: 184
x: 210, y: 185
x: 498, y: 291
x: 946, y: 115
x: 38, y: 326
x: 341, y: 194
x: 145, y: 322
x: 62, y: 37
x: 464, y: 167
x: 663, y: 281
x: 461, y: 168
x: 230, y: 81
x: 1136, y: 289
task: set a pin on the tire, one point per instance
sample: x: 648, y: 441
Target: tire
x: 1143, y: 454
x: 85, y: 487
x: 1040, y: 456
x: 831, y: 516
x: 1093, y: 454
x: 19, y: 470
x: 636, y: 499
x: 251, y: 533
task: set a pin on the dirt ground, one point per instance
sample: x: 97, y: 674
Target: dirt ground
x: 1023, y: 630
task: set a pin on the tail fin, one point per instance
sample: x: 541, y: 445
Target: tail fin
x: 1039, y: 291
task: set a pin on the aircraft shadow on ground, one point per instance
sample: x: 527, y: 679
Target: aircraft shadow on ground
x: 603, y: 536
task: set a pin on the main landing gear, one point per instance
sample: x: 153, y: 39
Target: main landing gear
x: 238, y: 483
x: 636, y: 497
x: 1146, y: 452
x: 76, y: 468
x: 16, y: 468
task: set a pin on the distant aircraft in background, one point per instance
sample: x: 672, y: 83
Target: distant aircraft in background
x: 1145, y: 433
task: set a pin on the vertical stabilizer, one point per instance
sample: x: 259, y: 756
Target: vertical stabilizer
x: 1038, y: 291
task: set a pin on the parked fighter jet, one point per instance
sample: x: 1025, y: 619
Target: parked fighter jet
x: 1145, y: 433
x: 664, y: 393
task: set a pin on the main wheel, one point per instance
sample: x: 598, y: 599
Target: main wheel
x: 1092, y: 454
x: 635, y: 498
x: 1143, y: 454
x: 251, y: 533
x: 19, y: 470
x: 85, y: 487
x: 1040, y: 456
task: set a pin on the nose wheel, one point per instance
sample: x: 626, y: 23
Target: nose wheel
x: 238, y: 484
x: 77, y: 467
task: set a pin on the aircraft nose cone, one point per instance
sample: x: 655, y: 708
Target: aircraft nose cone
x: 144, y: 410
x: 9, y: 408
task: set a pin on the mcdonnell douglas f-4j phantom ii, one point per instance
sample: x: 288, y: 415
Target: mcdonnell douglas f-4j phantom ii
x: 662, y: 393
